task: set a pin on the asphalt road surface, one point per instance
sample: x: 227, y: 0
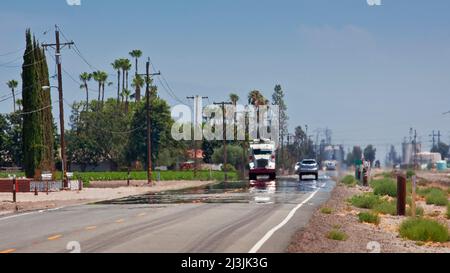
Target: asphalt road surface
x: 224, y: 218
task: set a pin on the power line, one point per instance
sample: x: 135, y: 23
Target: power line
x: 166, y: 86
x: 7, y: 64
x: 35, y: 111
x: 12, y: 52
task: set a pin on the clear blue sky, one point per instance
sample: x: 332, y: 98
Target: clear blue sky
x: 368, y: 73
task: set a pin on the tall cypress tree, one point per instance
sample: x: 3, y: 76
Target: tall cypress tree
x: 32, y: 130
x: 47, y: 163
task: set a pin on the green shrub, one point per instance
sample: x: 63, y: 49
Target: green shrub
x: 410, y: 174
x: 437, y: 197
x: 384, y: 187
x: 367, y: 217
x: 337, y: 235
x: 448, y: 211
x: 424, y: 191
x: 424, y: 230
x: 326, y: 210
x: 365, y: 201
x: 386, y: 207
x: 349, y: 180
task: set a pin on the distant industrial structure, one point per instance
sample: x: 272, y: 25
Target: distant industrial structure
x: 414, y: 156
x: 326, y: 150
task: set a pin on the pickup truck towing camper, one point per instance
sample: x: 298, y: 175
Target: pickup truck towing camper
x: 262, y: 159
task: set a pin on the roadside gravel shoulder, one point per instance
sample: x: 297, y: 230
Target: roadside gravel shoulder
x: 362, y: 238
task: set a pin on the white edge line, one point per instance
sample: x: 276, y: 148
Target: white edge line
x: 269, y: 234
x: 28, y: 213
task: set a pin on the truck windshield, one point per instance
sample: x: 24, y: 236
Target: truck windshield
x: 262, y: 152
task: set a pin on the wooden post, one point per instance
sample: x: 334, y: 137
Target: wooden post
x: 14, y: 190
x: 401, y: 195
x: 128, y: 177
x: 414, y: 189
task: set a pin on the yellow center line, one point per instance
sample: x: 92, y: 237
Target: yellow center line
x: 91, y: 228
x: 120, y: 221
x: 56, y: 237
x: 7, y: 251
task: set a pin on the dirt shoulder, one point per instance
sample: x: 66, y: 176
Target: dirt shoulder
x: 98, y: 191
x: 362, y: 238
x: 440, y: 179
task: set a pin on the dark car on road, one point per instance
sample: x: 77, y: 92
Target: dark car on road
x: 309, y: 167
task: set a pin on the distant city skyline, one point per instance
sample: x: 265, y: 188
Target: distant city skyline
x: 369, y: 73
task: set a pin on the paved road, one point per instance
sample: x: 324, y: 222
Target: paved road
x: 220, y: 219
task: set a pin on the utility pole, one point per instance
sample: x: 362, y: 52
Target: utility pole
x: 225, y: 161
x: 433, y: 136
x: 58, y: 47
x: 198, y: 118
x: 415, y: 149
x: 148, y: 76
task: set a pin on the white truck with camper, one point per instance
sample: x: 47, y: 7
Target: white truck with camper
x: 262, y: 159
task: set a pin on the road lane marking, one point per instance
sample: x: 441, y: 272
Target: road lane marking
x: 120, y: 221
x: 18, y: 215
x: 142, y: 214
x: 91, y: 228
x: 56, y: 237
x: 29, y: 213
x: 271, y: 232
x: 8, y: 251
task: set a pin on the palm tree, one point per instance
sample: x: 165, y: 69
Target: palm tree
x: 136, y: 54
x: 85, y: 78
x: 12, y: 84
x: 257, y: 99
x: 126, y: 94
x: 117, y: 66
x: 234, y: 98
x: 96, y: 77
x: 126, y: 69
x: 138, y: 84
x: 19, y: 103
x: 103, y: 79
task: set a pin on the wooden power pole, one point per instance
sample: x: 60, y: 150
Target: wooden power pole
x: 225, y: 159
x: 148, y: 76
x: 58, y: 45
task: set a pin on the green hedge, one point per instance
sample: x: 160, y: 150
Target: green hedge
x: 87, y: 177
